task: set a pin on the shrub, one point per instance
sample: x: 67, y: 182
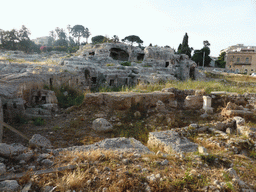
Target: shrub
x: 38, y: 121
x: 68, y: 96
x: 126, y: 63
x: 43, y: 48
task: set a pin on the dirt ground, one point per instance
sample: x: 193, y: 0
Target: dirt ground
x: 63, y: 130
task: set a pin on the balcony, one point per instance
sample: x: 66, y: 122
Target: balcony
x: 239, y: 63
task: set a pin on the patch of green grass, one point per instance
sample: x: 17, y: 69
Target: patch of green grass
x: 38, y: 121
x: 126, y: 63
x: 253, y: 154
x: 209, y: 159
x: 230, y: 186
x: 133, y: 126
x: 146, y: 66
x: 110, y: 64
x: 68, y: 96
x: 189, y: 182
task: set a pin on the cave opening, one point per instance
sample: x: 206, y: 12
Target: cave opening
x: 94, y: 80
x: 192, y: 73
x: 140, y: 57
x: 92, y: 53
x: 87, y: 74
x: 112, y: 82
x: 119, y: 54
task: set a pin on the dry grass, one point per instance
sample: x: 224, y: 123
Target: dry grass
x: 105, y: 169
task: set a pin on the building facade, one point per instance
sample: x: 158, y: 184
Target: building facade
x: 241, y: 59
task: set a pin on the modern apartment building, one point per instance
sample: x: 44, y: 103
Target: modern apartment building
x: 241, y: 59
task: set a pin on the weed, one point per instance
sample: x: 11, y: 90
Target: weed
x: 209, y: 159
x: 253, y: 154
x: 126, y: 63
x: 110, y: 64
x: 230, y: 186
x: 38, y: 121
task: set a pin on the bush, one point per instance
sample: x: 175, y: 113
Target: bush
x: 126, y: 63
x: 59, y: 48
x: 43, y: 48
x: 38, y: 121
x: 68, y: 96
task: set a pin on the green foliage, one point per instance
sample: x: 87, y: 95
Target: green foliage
x: 133, y: 39
x: 38, y: 121
x: 98, y: 39
x: 221, y: 60
x: 126, y: 63
x: 68, y: 96
x: 189, y: 182
x: 79, y: 31
x: 110, y: 64
x: 198, y: 56
x: 253, y: 154
x: 209, y: 159
x: 184, y: 47
x: 18, y: 40
x: 133, y: 126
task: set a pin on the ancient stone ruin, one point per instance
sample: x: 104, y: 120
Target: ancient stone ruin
x: 183, y: 126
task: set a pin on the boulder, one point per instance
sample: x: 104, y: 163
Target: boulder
x: 120, y: 145
x: 2, y: 169
x: 101, y: 125
x: 40, y: 141
x: 9, y: 186
x: 11, y: 150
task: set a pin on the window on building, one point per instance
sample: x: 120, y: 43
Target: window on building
x: 229, y: 66
x: 238, y: 60
x: 251, y: 69
x: 245, y: 70
x: 247, y: 60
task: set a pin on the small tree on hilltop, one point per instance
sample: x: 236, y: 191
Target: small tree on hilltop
x: 132, y: 39
x: 115, y: 39
x: 87, y: 34
x: 78, y: 31
x: 98, y: 39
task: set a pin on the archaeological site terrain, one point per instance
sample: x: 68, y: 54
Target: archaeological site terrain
x: 114, y: 117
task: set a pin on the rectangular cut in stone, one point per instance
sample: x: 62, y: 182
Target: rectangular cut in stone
x: 171, y: 141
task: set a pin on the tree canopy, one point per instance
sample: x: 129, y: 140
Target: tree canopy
x: 199, y: 54
x: 79, y: 31
x: 98, y: 39
x: 221, y: 60
x: 17, y: 39
x: 184, y: 47
x: 133, y: 39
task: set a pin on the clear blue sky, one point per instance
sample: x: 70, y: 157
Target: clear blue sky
x: 162, y: 22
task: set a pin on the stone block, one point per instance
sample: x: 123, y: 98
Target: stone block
x: 171, y: 141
